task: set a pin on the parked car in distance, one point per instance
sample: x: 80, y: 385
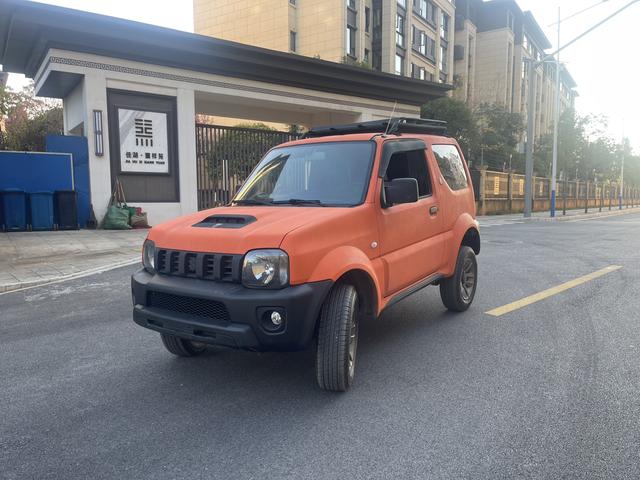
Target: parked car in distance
x: 325, y: 233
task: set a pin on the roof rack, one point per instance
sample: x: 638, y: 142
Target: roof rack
x: 391, y: 126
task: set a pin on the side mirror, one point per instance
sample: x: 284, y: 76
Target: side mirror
x: 400, y: 190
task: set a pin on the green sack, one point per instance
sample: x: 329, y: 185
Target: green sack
x: 132, y: 210
x: 116, y: 218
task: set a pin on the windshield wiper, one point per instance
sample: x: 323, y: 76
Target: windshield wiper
x: 300, y: 201
x: 252, y: 201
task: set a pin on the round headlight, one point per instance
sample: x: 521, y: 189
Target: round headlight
x: 149, y: 256
x: 265, y: 268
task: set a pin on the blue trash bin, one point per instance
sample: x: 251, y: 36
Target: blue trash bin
x: 14, y: 205
x: 41, y: 210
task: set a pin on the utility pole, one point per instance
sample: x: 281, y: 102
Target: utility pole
x: 556, y: 119
x: 533, y: 65
x: 528, y: 170
x: 620, y: 196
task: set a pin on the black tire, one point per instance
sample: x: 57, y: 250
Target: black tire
x: 456, y: 296
x: 181, y: 347
x: 337, y: 339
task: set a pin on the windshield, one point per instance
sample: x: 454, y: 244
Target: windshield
x: 323, y: 174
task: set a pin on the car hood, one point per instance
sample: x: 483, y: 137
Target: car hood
x: 224, y: 230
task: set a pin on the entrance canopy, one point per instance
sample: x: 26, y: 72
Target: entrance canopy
x: 111, y: 72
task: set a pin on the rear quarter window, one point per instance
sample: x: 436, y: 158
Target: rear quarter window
x: 451, y: 166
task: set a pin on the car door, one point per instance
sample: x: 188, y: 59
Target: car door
x: 411, y: 235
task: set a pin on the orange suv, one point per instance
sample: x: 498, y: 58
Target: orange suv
x: 326, y: 232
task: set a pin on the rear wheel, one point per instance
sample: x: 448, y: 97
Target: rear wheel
x: 457, y: 292
x: 337, y: 339
x: 182, y: 347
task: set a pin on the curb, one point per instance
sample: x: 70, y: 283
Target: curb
x: 15, y: 287
x: 584, y: 216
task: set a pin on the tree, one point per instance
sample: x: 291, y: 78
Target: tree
x: 28, y: 119
x: 460, y: 122
x: 500, y: 132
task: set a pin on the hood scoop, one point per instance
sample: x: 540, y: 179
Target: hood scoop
x: 225, y: 221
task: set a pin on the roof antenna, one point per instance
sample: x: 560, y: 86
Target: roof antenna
x: 395, y: 104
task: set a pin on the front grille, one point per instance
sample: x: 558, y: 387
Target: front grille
x: 198, y: 307
x: 207, y: 266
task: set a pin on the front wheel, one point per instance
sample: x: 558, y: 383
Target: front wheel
x: 337, y: 339
x: 457, y: 292
x: 182, y: 347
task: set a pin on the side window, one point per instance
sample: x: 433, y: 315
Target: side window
x: 411, y: 164
x: 451, y: 166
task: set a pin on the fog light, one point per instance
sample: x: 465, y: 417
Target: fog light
x: 276, y: 319
x: 272, y: 319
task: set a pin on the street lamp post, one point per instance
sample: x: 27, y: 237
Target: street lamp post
x: 556, y: 118
x: 620, y: 196
x: 528, y: 170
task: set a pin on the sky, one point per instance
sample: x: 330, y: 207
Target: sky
x: 604, y: 63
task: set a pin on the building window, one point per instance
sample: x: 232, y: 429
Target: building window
x: 403, y: 3
x: 418, y: 72
x: 351, y: 4
x: 419, y: 40
x: 367, y: 19
x: 292, y: 41
x: 351, y: 41
x: 444, y: 26
x: 366, y: 55
x: 526, y: 44
x: 426, y: 9
x: 431, y: 49
x: 399, y: 65
x: 431, y: 13
x: 292, y: 2
x: 444, y: 64
x: 399, y: 30
x: 418, y: 7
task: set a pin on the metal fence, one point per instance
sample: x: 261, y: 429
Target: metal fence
x: 500, y: 192
x: 225, y: 157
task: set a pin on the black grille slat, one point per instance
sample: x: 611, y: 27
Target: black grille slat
x: 207, y: 266
x: 174, y: 262
x: 197, y: 307
x: 190, y: 264
x: 226, y: 270
x: 162, y: 260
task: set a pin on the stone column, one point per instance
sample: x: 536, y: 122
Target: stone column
x: 483, y: 188
x: 510, y: 191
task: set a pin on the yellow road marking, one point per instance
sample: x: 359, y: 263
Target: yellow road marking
x: 510, y: 307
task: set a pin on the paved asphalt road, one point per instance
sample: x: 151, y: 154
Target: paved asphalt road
x: 548, y: 391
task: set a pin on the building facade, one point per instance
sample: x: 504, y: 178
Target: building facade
x: 496, y: 42
x: 483, y: 48
x: 412, y: 38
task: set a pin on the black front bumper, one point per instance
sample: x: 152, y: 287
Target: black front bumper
x: 238, y: 313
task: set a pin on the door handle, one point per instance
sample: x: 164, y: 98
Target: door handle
x: 433, y: 210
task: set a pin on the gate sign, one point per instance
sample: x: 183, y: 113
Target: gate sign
x: 143, y: 141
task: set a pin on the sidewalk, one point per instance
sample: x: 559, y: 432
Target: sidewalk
x: 34, y: 258
x: 572, y: 215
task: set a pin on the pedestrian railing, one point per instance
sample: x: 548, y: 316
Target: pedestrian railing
x: 504, y: 192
